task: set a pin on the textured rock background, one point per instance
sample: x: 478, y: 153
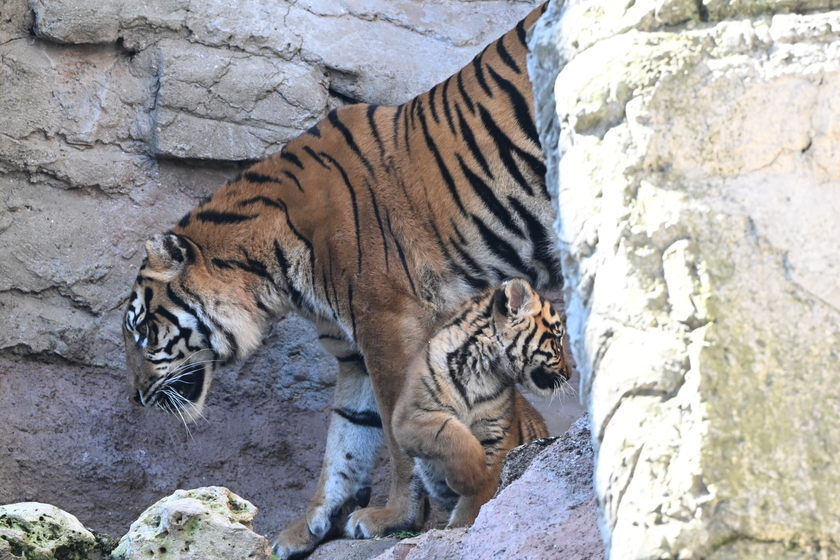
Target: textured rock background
x: 117, y: 117
x: 699, y: 215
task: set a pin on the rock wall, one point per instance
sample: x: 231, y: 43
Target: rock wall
x: 695, y: 160
x: 118, y: 116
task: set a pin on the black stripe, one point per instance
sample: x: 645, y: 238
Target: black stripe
x: 221, y: 263
x: 352, y: 313
x: 469, y: 138
x: 315, y: 156
x: 290, y: 157
x: 295, y: 295
x: 404, y: 263
x: 263, y: 199
x: 259, y: 178
x: 505, y: 56
x: 202, y: 327
x: 326, y: 285
x: 444, y: 172
x: 222, y: 218
x: 488, y: 198
x: 463, y: 93
x: 477, y: 65
x: 371, y: 111
x: 353, y: 202
x: 504, y: 147
x: 491, y: 441
x: 314, y: 131
x: 476, y: 282
x: 503, y: 249
x: 184, y: 221
x: 351, y: 358
x: 366, y: 418
x: 432, y: 107
x: 520, y: 33
x: 442, y: 427
x: 460, y: 248
x: 396, y: 122
x: 303, y: 239
x: 521, y: 108
x: 148, y: 293
x: 456, y: 362
x: 294, y: 179
x: 171, y: 317
x: 544, y: 251
x: 348, y: 137
x: 254, y: 267
x: 447, y: 111
x: 381, y: 227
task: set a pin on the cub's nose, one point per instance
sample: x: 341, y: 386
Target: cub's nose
x: 135, y: 398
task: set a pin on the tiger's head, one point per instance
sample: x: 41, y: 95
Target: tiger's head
x: 531, y: 332
x: 182, y: 323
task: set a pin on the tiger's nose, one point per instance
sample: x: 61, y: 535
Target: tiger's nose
x: 135, y: 398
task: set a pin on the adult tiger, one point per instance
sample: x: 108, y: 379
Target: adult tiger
x: 372, y: 225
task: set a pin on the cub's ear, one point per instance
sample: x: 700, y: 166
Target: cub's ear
x: 522, y: 300
x: 167, y: 255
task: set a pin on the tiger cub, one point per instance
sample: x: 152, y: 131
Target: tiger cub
x: 459, y: 413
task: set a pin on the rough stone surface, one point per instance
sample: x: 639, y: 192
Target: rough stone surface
x: 548, y: 513
x: 210, y: 522
x: 699, y: 197
x: 118, y: 117
x: 38, y: 531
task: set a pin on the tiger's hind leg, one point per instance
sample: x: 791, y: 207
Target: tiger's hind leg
x: 354, y: 442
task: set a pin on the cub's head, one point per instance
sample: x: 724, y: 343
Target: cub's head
x: 532, y: 333
x: 181, y: 325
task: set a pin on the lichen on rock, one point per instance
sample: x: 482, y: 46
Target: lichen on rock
x: 36, y: 531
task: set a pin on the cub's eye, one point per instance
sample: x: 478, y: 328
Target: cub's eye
x: 143, y: 330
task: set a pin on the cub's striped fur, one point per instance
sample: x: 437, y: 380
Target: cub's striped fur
x: 373, y: 225
x: 459, y: 412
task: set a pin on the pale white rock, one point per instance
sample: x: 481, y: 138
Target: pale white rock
x: 695, y: 170
x: 210, y: 522
x: 42, y: 531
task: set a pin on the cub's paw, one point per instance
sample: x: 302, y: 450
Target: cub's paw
x: 377, y: 522
x: 295, y: 541
x: 468, y: 479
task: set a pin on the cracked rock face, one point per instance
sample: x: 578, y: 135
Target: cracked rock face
x: 210, y: 522
x: 698, y: 188
x: 117, y: 118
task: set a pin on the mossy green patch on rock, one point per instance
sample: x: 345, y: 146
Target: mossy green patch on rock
x: 43, y: 532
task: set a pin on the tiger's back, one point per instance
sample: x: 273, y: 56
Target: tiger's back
x: 373, y: 224
x: 459, y: 412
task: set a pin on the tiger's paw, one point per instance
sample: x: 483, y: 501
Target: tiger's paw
x: 378, y: 522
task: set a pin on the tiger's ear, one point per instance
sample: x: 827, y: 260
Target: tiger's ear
x: 167, y: 256
x: 522, y: 300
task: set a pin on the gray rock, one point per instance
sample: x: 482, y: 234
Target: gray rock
x: 210, y: 522
x: 42, y: 532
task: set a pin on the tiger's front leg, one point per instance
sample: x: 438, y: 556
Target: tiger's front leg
x: 354, y: 442
x: 389, y: 356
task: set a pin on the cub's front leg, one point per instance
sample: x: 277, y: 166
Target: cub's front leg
x: 444, y: 441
